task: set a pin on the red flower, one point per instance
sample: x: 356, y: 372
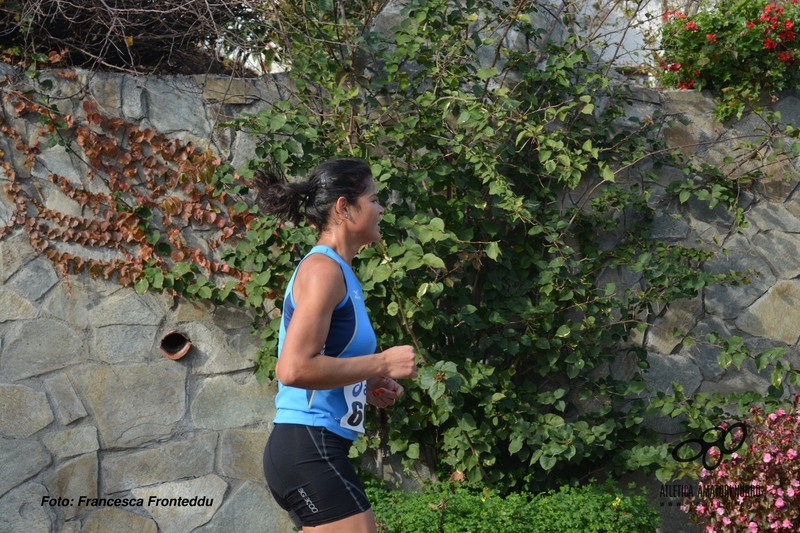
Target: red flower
x: 689, y: 84
x: 692, y: 25
x: 785, y: 55
x: 749, y: 25
x: 769, y: 44
x: 711, y: 37
x: 674, y: 14
x: 787, y: 35
x: 788, y: 24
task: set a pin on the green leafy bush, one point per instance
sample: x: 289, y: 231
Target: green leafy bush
x: 738, y: 48
x: 502, y: 282
x: 447, y: 508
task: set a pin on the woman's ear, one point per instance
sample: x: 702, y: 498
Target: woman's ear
x: 341, y: 209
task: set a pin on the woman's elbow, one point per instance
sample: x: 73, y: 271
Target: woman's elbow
x: 288, y: 375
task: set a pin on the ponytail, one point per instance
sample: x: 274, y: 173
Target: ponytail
x: 313, y: 198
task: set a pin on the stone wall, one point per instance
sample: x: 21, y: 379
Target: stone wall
x: 90, y: 408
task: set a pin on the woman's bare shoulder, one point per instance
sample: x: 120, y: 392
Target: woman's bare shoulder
x: 321, y: 276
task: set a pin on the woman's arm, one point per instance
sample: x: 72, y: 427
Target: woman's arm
x: 318, y: 288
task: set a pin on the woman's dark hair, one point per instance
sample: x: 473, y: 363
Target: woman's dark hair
x: 314, y: 197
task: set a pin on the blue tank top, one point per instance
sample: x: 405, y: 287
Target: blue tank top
x: 350, y: 335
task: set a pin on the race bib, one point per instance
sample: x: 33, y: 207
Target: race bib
x: 356, y: 397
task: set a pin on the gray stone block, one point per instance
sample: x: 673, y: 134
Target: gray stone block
x: 58, y: 160
x: 23, y: 411
x: 170, y: 114
x: 134, y: 106
x: 107, y: 92
x: 15, y: 251
x: 251, y: 509
x: 193, y: 310
x: 117, y: 521
x: 169, y: 462
x: 668, y: 226
x: 133, y: 404
x: 125, y: 344
x: 228, y: 317
x: 781, y: 251
x: 768, y: 216
x: 776, y: 315
x: 71, y: 480
x: 15, y: 307
x: 20, y: 460
x: 704, y: 354
x: 681, y: 315
x: 68, y: 406
x: 241, y: 453
x: 72, y: 442
x: 728, y: 301
x: 180, y: 519
x: 21, y: 511
x: 666, y: 369
x: 223, y: 403
x: 127, y: 308
x: 34, y: 279
x: 211, y: 353
x: 34, y: 347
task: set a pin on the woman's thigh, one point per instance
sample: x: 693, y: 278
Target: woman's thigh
x: 360, y: 523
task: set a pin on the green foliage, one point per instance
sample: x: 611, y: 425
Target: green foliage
x: 447, y: 508
x: 738, y: 48
x: 487, y: 267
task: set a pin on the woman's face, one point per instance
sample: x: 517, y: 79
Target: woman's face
x: 365, y: 217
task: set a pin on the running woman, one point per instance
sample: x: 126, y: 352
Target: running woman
x: 327, y: 367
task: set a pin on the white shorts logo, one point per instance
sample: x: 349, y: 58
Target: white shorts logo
x: 308, y: 500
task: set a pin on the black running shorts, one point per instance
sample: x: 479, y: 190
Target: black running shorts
x: 310, y: 475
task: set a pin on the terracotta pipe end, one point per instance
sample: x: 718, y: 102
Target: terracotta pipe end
x: 175, y: 345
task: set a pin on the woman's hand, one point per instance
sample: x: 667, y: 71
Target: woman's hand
x: 382, y: 392
x: 400, y: 361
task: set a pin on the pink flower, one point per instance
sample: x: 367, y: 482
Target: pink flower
x: 753, y: 527
x: 781, y: 412
x: 767, y: 457
x: 786, y: 523
x: 790, y: 492
x: 791, y: 454
x: 779, y: 503
x: 726, y: 520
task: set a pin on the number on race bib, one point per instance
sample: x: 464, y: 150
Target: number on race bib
x: 355, y: 397
x: 357, y: 408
